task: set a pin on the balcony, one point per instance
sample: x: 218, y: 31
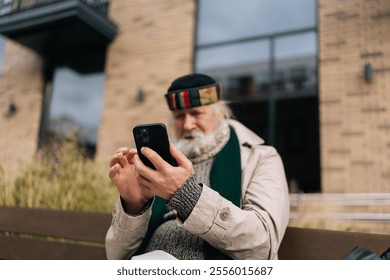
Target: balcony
x: 57, y: 27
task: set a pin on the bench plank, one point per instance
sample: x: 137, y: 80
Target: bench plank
x: 16, y: 248
x: 86, y: 226
x: 315, y: 244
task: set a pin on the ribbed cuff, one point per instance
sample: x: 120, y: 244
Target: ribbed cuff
x: 143, y: 210
x: 186, y: 198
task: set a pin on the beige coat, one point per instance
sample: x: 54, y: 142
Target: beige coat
x: 252, y: 231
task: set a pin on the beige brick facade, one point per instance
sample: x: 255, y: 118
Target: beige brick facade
x: 21, y: 83
x: 354, y: 113
x: 154, y: 45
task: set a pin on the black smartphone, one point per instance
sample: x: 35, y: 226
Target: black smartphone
x: 154, y: 136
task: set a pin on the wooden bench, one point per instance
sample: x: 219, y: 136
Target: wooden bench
x: 53, y: 234
x: 315, y: 244
x: 43, y: 234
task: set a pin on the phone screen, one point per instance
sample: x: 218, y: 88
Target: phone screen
x: 154, y: 136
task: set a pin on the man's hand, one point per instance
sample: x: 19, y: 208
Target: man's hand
x: 124, y: 175
x: 166, y: 179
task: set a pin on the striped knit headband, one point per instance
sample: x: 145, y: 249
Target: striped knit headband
x: 193, y: 97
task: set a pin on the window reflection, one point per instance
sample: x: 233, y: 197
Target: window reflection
x: 222, y: 20
x: 282, y: 61
x: 239, y: 67
x: 76, y: 104
x: 296, y: 45
x: 232, y: 56
x: 245, y: 68
x: 5, y: 6
x: 295, y: 65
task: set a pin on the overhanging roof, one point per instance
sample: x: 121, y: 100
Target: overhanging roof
x: 59, y: 27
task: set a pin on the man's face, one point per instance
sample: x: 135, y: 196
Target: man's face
x: 196, y: 119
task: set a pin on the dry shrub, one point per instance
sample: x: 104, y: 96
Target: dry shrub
x: 60, y: 177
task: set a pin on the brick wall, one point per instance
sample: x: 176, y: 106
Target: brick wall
x: 21, y: 83
x: 154, y: 46
x: 354, y: 113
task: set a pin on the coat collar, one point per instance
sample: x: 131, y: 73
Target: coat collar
x: 245, y: 136
x: 247, y: 139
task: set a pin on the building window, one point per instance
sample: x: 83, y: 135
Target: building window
x: 244, y: 40
x: 74, y: 99
x: 295, y: 56
x: 247, y: 18
x: 265, y: 55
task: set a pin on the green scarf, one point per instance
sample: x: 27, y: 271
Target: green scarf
x: 225, y: 178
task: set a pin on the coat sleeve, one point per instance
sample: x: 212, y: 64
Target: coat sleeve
x: 126, y: 232
x: 255, y: 230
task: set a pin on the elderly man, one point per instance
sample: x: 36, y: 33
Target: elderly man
x: 226, y: 199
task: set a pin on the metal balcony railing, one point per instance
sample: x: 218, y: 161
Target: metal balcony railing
x: 14, y: 6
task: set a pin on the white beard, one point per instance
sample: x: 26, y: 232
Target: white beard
x: 201, y: 143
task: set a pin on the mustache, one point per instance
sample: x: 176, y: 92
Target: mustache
x: 192, y: 135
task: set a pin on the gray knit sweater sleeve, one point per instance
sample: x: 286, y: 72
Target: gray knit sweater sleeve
x: 186, y: 198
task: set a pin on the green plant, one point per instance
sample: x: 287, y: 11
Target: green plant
x: 60, y: 177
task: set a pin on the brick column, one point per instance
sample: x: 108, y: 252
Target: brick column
x: 354, y: 113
